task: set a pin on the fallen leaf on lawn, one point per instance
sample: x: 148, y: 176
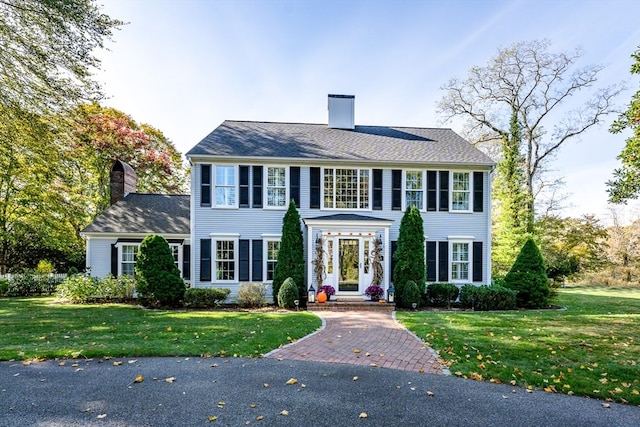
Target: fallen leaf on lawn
x: 355, y: 378
x: 101, y: 416
x: 292, y: 381
x: 169, y: 329
x: 117, y: 363
x: 139, y: 378
x: 285, y: 412
x: 356, y: 351
x: 363, y: 415
x: 479, y: 357
x: 516, y: 338
x: 430, y: 394
x: 170, y: 379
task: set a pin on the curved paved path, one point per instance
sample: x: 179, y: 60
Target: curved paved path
x: 369, y: 338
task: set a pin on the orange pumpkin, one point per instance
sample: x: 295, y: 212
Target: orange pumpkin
x: 322, y: 297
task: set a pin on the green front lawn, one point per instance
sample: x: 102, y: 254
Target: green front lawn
x: 589, y: 349
x: 42, y: 328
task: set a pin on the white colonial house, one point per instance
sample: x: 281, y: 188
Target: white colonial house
x: 351, y: 185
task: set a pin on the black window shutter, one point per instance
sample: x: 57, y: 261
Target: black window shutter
x: 256, y: 261
x: 114, y: 260
x: 477, y: 261
x: 394, y: 247
x: 294, y: 184
x: 257, y: 186
x: 432, y: 249
x: 314, y: 188
x: 396, y: 189
x: 432, y: 190
x: 443, y: 261
x: 186, y: 262
x: 244, y: 260
x: 377, y: 189
x: 478, y: 193
x: 444, y: 190
x: 205, y: 260
x: 205, y: 185
x: 244, y: 186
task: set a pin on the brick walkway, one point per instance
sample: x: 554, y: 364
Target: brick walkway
x: 363, y: 338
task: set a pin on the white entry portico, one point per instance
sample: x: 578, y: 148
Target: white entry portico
x: 347, y: 242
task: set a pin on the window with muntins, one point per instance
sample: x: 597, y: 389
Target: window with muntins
x: 225, y: 186
x: 414, y: 189
x: 276, y: 187
x: 273, y: 246
x: 128, y: 259
x: 459, y: 261
x: 460, y: 191
x: 225, y: 260
x: 346, y: 188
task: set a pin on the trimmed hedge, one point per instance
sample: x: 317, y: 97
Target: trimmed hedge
x: 442, y: 294
x: 205, y: 297
x: 485, y: 298
x: 288, y: 294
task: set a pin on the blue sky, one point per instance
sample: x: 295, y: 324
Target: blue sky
x: 184, y: 66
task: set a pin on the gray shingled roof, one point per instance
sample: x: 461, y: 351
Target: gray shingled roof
x: 318, y: 141
x: 145, y: 214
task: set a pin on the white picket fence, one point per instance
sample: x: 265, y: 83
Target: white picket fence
x: 59, y: 276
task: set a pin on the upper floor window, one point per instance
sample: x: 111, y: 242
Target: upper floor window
x: 461, y: 191
x: 346, y: 188
x: 205, y: 185
x: 225, y: 186
x: 414, y: 189
x: 276, y: 187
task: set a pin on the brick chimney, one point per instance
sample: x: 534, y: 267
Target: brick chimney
x: 341, y: 111
x: 123, y: 180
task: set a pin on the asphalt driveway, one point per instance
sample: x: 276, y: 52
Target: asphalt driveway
x: 239, y: 392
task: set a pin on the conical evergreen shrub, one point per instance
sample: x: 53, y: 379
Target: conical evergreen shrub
x: 528, y: 276
x: 409, y: 255
x: 291, y: 253
x: 158, y: 280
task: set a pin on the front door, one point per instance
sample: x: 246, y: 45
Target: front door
x: 348, y: 265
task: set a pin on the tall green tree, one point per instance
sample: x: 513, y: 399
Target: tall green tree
x: 409, y: 255
x: 626, y: 182
x: 47, y: 56
x: 290, y: 261
x: 532, y: 82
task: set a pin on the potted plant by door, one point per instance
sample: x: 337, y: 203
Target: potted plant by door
x: 374, y: 292
x: 328, y: 290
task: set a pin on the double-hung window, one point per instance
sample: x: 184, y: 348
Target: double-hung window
x: 273, y: 246
x: 128, y: 258
x: 460, y: 261
x: 346, y: 188
x: 414, y: 189
x: 225, y: 260
x: 225, y: 186
x: 276, y: 187
x: 461, y: 192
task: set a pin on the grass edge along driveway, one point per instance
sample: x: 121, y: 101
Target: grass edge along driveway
x: 41, y: 328
x: 589, y: 349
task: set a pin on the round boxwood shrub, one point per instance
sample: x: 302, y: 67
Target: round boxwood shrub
x: 410, y: 294
x: 158, y: 280
x: 528, y: 277
x: 288, y: 293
